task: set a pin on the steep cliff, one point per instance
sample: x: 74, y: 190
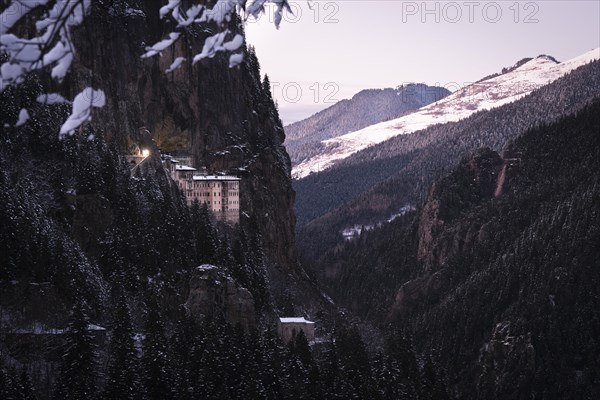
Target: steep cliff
x: 472, y: 182
x: 224, y: 117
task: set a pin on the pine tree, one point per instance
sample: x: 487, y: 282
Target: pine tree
x: 403, y: 362
x: 330, y: 372
x: 304, y: 354
x: 78, y: 373
x: 204, y: 234
x: 301, y: 375
x: 270, y: 365
x: 252, y: 382
x: 155, y: 360
x: 89, y: 177
x: 432, y: 384
x: 183, y: 353
x: 123, y: 380
x: 224, y: 257
x: 266, y: 84
x: 383, y: 379
x: 7, y: 385
x: 211, y: 354
x: 354, y: 362
x: 235, y: 355
x: 25, y: 388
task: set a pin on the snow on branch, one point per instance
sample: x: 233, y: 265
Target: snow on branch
x: 51, y: 98
x: 160, y: 46
x: 23, y: 117
x: 52, y: 47
x: 175, y: 64
x: 82, y: 109
x: 220, y: 14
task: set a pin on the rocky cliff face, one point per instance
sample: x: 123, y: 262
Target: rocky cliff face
x: 473, y: 181
x: 224, y: 117
x: 214, y: 293
x: 442, y: 234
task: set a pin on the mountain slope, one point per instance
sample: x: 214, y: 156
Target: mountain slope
x: 483, y: 95
x: 378, y: 181
x: 498, y: 270
x: 367, y: 107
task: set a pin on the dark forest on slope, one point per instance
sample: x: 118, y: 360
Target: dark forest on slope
x: 374, y: 183
x: 501, y: 282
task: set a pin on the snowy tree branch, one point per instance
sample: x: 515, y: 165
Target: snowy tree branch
x: 220, y: 14
x: 52, y: 45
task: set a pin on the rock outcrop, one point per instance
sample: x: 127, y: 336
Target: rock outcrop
x: 415, y: 292
x: 473, y: 181
x: 214, y: 293
x: 442, y: 234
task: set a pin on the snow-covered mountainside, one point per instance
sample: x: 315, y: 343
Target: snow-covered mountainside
x: 483, y: 95
x: 303, y: 139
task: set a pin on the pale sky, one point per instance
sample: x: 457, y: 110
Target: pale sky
x: 330, y: 50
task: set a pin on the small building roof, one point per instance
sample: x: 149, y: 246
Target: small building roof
x: 184, y: 168
x: 294, y: 320
x: 206, y: 267
x: 215, y: 178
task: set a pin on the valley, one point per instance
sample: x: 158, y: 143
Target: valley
x: 486, y: 187
x: 164, y: 236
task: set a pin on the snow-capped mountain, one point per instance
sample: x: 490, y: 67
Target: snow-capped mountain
x: 484, y: 95
x: 367, y: 107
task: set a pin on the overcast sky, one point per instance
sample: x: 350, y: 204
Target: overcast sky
x: 330, y: 50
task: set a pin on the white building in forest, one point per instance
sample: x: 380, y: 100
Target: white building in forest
x: 289, y: 327
x: 221, y: 193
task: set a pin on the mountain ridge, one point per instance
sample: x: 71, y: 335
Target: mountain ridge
x: 363, y: 109
x: 484, y: 95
